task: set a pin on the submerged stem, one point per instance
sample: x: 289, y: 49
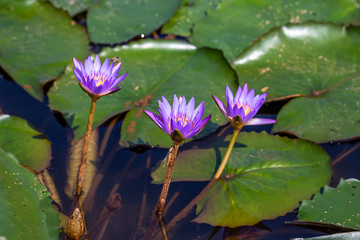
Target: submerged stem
x: 166, y: 185
x: 227, y: 154
x: 81, y: 174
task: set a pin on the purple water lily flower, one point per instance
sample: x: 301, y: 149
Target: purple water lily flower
x: 95, y: 79
x: 181, y: 121
x: 242, y: 108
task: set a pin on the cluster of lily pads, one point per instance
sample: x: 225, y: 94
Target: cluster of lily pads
x: 303, y: 54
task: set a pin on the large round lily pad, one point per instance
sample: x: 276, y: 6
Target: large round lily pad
x: 156, y: 68
x: 318, y: 65
x: 234, y: 24
x: 115, y: 21
x: 26, y: 211
x: 335, y: 206
x: 37, y: 41
x: 266, y: 176
x: 29, y: 146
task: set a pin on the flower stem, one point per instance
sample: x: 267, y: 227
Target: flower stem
x: 227, y: 154
x: 166, y: 185
x: 81, y: 174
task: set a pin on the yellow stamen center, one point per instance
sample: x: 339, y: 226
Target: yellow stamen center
x: 246, y: 108
x: 98, y: 78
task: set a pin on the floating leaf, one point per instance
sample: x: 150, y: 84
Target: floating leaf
x: 317, y: 64
x: 335, y: 206
x: 37, y: 42
x: 73, y: 7
x: 31, y: 147
x: 189, y: 12
x: 115, y: 21
x: 266, y: 177
x: 338, y: 236
x: 234, y: 24
x: 25, y: 206
x: 156, y: 68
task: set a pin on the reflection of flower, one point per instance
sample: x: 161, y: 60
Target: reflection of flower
x: 242, y: 108
x: 95, y: 79
x: 181, y: 121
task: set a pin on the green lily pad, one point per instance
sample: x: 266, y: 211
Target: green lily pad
x: 156, y: 68
x: 335, y: 206
x: 37, y: 41
x: 234, y: 24
x: 73, y: 7
x: 115, y: 21
x: 31, y: 147
x: 265, y: 177
x: 189, y: 12
x: 318, y: 65
x: 338, y: 236
x: 26, y: 211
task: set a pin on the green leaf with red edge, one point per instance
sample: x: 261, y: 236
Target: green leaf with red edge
x: 37, y: 41
x: 156, y: 68
x: 266, y: 176
x: 317, y: 64
x: 234, y: 24
x: 27, y: 144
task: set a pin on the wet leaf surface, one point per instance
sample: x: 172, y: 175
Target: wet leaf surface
x: 335, y: 206
x: 316, y: 64
x: 26, y: 211
x: 266, y: 177
x: 115, y: 21
x: 73, y: 7
x: 37, y: 41
x: 239, y: 23
x: 28, y: 145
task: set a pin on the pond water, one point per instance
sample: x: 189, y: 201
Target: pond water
x: 127, y: 172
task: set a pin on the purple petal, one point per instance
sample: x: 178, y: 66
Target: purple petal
x: 220, y: 105
x: 238, y: 94
x: 78, y: 75
x: 250, y: 97
x: 116, y: 68
x: 108, y: 72
x: 97, y: 63
x: 167, y: 105
x: 89, y: 66
x: 229, y: 96
x: 198, y: 113
x: 76, y: 63
x: 182, y: 108
x: 158, y: 121
x: 164, y: 111
x: 118, y: 80
x: 173, y: 125
x: 110, y: 91
x: 260, y: 121
x: 175, y: 106
x: 244, y: 94
x: 105, y: 66
x: 200, y: 126
x: 190, y: 108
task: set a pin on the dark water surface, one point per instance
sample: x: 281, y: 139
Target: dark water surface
x: 127, y: 172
